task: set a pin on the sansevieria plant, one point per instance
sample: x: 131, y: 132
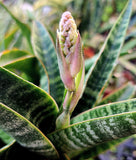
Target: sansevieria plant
x: 59, y: 112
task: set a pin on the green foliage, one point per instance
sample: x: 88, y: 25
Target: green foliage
x: 32, y: 93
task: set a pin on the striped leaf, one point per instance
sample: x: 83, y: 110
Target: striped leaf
x: 25, y: 133
x: 99, y: 149
x: 17, y: 152
x: 84, y: 135
x: 28, y: 100
x: 102, y: 69
x: 24, y: 27
x: 123, y: 93
x: 25, y: 67
x: 46, y: 53
x: 106, y: 110
x: 89, y: 62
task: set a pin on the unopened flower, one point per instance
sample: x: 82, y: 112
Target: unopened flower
x: 71, y: 66
x: 69, y: 51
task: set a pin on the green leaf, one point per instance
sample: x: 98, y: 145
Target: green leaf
x: 123, y: 93
x: 106, y: 62
x: 25, y: 133
x: 17, y: 152
x: 99, y: 149
x: 25, y: 65
x: 45, y: 51
x: 24, y: 27
x: 8, y: 38
x: 5, y: 137
x: 129, y: 45
x: 84, y: 135
x: 89, y: 62
x: 8, y: 56
x: 106, y: 110
x: 5, y: 148
x: 128, y: 65
x: 28, y: 100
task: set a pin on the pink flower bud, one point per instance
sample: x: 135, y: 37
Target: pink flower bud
x: 69, y: 50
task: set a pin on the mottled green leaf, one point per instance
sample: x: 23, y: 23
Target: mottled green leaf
x: 106, y: 110
x: 24, y: 27
x: 123, y: 93
x: 99, y: 149
x: 46, y: 53
x: 25, y: 133
x: 87, y: 134
x: 102, y: 69
x: 89, y: 62
x: 17, y: 152
x: 28, y: 100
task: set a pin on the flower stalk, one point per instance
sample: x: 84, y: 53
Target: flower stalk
x: 71, y: 65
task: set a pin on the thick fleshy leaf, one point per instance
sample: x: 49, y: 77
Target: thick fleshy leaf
x: 5, y: 137
x: 102, y: 69
x: 87, y: 134
x: 5, y: 148
x: 8, y: 56
x: 123, y: 93
x: 28, y: 100
x: 25, y: 133
x: 99, y: 149
x: 106, y: 110
x: 25, y: 67
x: 46, y: 53
x: 24, y: 28
x: 89, y: 62
x: 15, y: 151
x: 128, y: 65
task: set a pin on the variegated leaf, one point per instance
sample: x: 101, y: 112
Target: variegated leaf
x: 123, y: 93
x: 25, y: 133
x: 87, y: 134
x: 28, y: 100
x: 102, y: 69
x: 106, y: 110
x: 46, y: 53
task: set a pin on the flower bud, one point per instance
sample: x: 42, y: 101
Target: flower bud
x: 69, y: 49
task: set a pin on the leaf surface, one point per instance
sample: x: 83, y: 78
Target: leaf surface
x: 8, y: 56
x: 28, y: 100
x: 106, y: 62
x: 82, y: 136
x: 24, y: 27
x: 27, y: 66
x: 25, y: 133
x: 106, y: 110
x: 46, y: 53
x: 123, y: 93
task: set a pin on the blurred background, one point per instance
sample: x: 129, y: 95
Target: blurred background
x: 94, y: 19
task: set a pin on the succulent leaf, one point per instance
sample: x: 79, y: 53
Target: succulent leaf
x: 25, y: 133
x: 28, y: 100
x: 101, y: 71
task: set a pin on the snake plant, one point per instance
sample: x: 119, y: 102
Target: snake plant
x: 56, y: 111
